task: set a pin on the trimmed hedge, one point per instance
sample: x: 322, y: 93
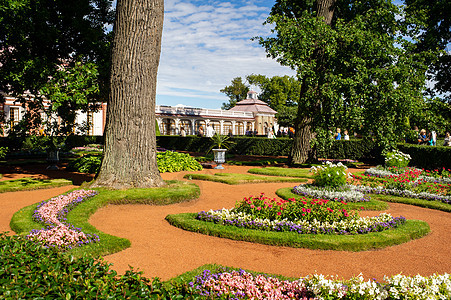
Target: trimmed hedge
x: 242, y: 146
x: 428, y: 157
x: 354, y: 149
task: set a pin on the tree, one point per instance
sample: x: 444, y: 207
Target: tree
x: 236, y: 92
x: 429, y: 24
x: 37, y: 36
x: 281, y: 93
x: 353, y: 65
x: 130, y: 142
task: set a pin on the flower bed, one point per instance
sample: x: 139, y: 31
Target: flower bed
x: 434, y: 176
x: 352, y: 226
x: 243, y: 285
x: 408, y: 182
x: 316, y: 216
x: 346, y: 193
x: 59, y: 233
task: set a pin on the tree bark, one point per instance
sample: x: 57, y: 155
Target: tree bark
x: 130, y: 143
x: 301, y: 150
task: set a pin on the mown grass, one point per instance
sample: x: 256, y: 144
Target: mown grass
x: 412, y: 229
x: 233, y: 178
x: 27, y: 183
x: 282, y: 172
x: 416, y: 202
x: 287, y: 193
x: 174, y: 192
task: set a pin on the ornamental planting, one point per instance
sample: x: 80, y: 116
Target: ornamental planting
x: 58, y: 232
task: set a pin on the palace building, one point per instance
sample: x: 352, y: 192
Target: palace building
x: 249, y: 116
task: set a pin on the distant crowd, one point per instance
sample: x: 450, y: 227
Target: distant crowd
x: 430, y: 138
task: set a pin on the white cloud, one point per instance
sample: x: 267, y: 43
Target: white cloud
x: 206, y: 45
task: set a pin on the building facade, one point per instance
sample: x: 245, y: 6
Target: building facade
x: 250, y: 116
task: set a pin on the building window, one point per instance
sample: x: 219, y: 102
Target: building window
x: 168, y: 127
x: 216, y: 126
x: 187, y: 125
x: 239, y: 128
x: 227, y: 126
x: 13, y: 116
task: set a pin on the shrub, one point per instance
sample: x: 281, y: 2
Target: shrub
x: 428, y: 157
x: 174, y: 162
x: 3, y: 151
x: 30, y: 271
x: 86, y: 164
x: 397, y: 159
x: 329, y: 175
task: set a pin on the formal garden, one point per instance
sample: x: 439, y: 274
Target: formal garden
x: 321, y: 211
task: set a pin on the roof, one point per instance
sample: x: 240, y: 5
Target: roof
x: 253, y: 105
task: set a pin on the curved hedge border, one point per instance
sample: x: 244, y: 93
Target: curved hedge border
x: 287, y: 193
x: 175, y: 192
x: 412, y: 229
x: 416, y: 202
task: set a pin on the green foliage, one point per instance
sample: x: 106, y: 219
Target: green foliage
x: 236, y: 92
x: 38, y: 35
x: 241, y: 146
x: 329, y: 175
x: 356, y: 71
x: 421, y: 156
x: 220, y: 142
x: 281, y: 93
x: 86, y: 164
x: 170, y: 161
x: 3, y: 151
x: 397, y: 159
x: 412, y: 229
x: 30, y: 271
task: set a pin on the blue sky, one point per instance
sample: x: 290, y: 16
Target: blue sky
x: 206, y: 44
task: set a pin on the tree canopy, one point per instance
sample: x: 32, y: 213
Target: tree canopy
x: 356, y: 68
x: 236, y: 92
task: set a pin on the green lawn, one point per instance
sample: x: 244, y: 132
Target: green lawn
x: 412, y: 229
x: 27, y: 183
x: 283, y: 172
x: 232, y: 178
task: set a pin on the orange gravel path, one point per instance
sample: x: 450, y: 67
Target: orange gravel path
x: 158, y: 249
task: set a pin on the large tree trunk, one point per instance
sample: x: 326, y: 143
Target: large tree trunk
x: 301, y: 150
x: 130, y: 143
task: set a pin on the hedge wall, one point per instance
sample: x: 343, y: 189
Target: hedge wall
x: 355, y: 149
x: 242, y: 146
x: 428, y: 157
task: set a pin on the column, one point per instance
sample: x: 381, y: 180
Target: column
x: 177, y: 124
x: 193, y: 126
x: 221, y: 122
x: 233, y: 127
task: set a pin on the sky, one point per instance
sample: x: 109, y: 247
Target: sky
x: 208, y: 43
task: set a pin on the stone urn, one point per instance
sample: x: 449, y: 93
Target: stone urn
x: 219, y: 157
x: 53, y: 159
